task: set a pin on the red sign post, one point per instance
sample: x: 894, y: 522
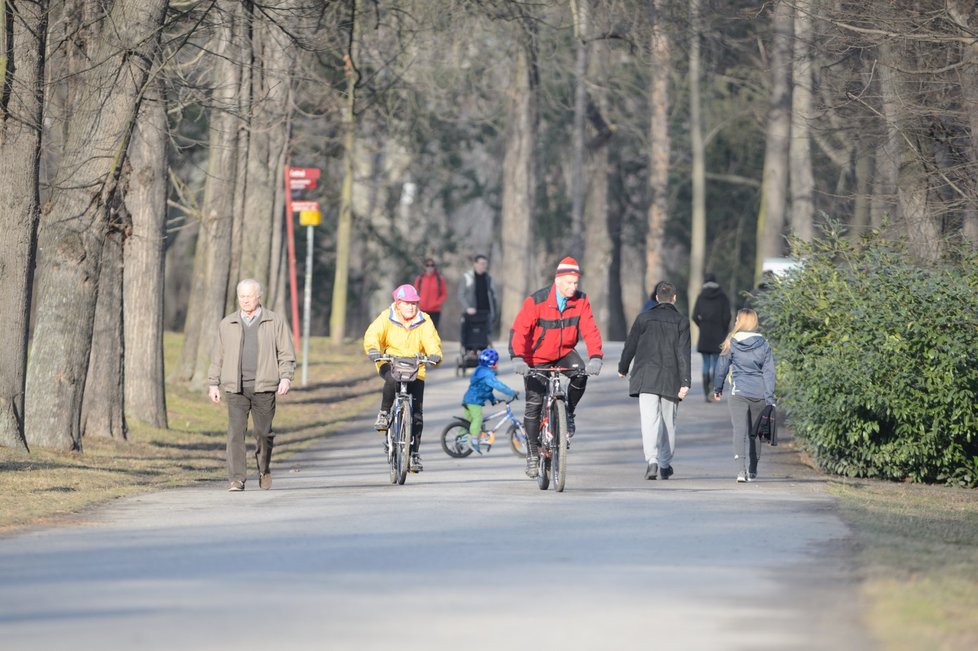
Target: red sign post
x: 296, y: 178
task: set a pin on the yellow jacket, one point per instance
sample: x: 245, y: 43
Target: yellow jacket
x: 389, y: 336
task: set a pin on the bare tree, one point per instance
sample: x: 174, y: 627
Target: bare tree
x: 697, y: 243
x: 337, y: 323
x: 23, y: 28
x: 659, y: 64
x: 519, y: 176
x: 799, y: 151
x: 145, y: 201
x: 103, y: 400
x: 774, y: 188
x: 74, y: 225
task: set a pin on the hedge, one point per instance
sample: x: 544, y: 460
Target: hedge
x: 877, y: 358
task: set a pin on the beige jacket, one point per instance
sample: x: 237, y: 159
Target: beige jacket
x: 276, y: 354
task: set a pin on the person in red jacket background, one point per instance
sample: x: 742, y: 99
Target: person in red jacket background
x: 545, y: 333
x: 431, y: 287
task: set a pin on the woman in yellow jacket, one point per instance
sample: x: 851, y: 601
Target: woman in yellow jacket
x: 402, y: 330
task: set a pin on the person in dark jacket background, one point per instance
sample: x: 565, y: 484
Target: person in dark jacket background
x: 658, y: 344
x: 748, y: 357
x: 711, y: 314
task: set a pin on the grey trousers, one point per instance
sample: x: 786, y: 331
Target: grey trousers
x: 658, y: 416
x: 261, y: 405
x: 744, y: 412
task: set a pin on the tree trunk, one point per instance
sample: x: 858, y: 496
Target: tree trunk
x: 697, y: 244
x: 800, y: 149
x: 963, y: 13
x: 598, y: 246
x: 22, y: 41
x: 212, y: 259
x: 659, y: 67
x: 74, y: 224
x: 519, y: 189
x: 864, y: 180
x: 774, y: 184
x: 911, y: 182
x: 344, y: 227
x: 580, y: 10
x: 103, y: 401
x: 145, y: 199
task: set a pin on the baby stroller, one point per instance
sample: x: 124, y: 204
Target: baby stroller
x: 475, y: 337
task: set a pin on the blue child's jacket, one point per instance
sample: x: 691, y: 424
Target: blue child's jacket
x: 483, y: 381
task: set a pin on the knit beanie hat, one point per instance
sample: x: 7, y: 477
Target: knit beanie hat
x: 568, y: 266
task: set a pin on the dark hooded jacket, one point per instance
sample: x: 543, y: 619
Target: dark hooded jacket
x: 659, y: 345
x: 751, y: 365
x: 711, y: 313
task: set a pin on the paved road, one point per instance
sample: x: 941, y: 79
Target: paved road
x: 467, y: 555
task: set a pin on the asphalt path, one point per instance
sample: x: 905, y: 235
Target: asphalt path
x: 469, y: 554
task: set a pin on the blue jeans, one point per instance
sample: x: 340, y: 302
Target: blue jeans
x: 710, y: 363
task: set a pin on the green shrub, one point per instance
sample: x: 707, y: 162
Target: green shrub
x: 878, y: 360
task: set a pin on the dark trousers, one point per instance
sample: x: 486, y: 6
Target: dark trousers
x: 261, y: 406
x: 435, y: 318
x: 536, y: 392
x: 416, y: 389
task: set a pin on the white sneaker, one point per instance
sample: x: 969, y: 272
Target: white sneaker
x: 741, y: 477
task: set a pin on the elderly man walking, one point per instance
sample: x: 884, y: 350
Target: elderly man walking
x: 253, y: 361
x: 657, y: 350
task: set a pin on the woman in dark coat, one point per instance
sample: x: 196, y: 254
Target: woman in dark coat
x: 711, y: 313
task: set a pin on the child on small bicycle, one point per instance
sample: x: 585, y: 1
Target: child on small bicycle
x: 403, y: 330
x: 480, y: 391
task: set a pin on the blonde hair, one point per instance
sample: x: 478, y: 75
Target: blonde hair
x: 746, y: 322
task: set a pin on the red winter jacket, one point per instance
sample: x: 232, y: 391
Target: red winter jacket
x: 542, y: 334
x: 432, y: 290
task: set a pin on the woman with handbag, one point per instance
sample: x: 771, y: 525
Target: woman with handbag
x: 748, y: 357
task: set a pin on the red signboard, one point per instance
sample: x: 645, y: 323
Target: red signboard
x: 299, y: 206
x: 303, y: 173
x: 302, y: 184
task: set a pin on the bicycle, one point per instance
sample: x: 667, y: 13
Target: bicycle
x: 403, y: 370
x: 553, y: 428
x: 457, y: 441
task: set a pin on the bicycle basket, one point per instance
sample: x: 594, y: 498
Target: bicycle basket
x: 404, y: 369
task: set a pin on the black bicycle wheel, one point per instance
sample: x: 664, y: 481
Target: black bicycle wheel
x: 558, y: 459
x: 543, y: 471
x: 517, y: 440
x: 455, y: 440
x: 392, y: 445
x: 403, y: 445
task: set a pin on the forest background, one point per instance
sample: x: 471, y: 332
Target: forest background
x: 143, y: 142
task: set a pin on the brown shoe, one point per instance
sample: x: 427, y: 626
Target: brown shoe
x: 265, y: 481
x: 236, y: 486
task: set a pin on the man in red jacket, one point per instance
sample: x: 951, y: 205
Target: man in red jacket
x: 545, y: 333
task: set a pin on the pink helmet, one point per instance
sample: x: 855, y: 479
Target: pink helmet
x: 406, y: 293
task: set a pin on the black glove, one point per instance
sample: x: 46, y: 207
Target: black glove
x: 434, y: 359
x: 520, y: 367
x: 594, y: 366
x: 373, y: 355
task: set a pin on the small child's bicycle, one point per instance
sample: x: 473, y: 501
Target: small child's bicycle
x: 457, y: 442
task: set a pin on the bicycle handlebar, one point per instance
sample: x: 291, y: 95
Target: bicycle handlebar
x: 422, y: 359
x: 545, y: 371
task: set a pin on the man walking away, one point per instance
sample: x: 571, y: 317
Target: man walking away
x: 658, y: 344
x: 712, y: 314
x: 253, y: 361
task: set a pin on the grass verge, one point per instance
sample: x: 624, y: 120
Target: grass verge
x: 45, y: 485
x: 918, y: 546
